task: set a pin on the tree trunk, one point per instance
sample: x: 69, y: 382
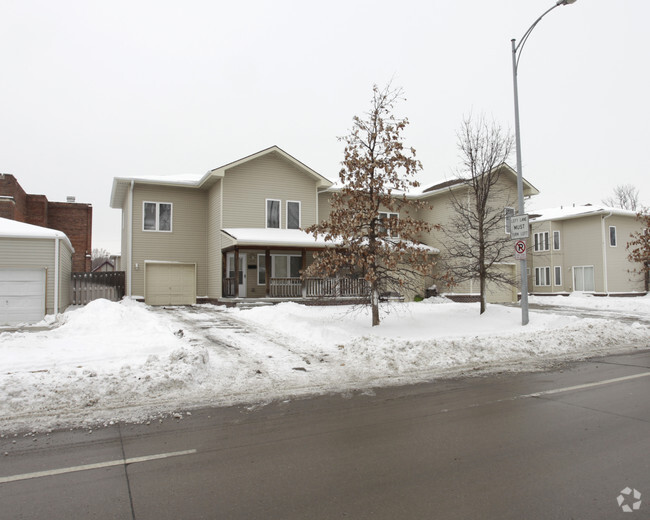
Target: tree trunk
x: 374, y: 300
x: 482, y: 290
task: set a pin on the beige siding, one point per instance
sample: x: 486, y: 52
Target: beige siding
x: 31, y: 253
x: 246, y: 188
x: 620, y: 275
x: 324, y: 205
x: 214, y: 241
x: 187, y: 242
x: 65, y: 276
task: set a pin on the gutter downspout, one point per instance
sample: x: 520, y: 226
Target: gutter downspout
x: 130, y: 269
x: 56, y: 276
x: 604, y: 252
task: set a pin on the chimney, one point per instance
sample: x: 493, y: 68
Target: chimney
x: 70, y: 198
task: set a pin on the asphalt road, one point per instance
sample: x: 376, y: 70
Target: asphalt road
x: 560, y: 444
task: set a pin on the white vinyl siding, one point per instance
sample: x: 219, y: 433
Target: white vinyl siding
x: 542, y: 276
x: 556, y: 240
x: 156, y: 216
x: 293, y: 214
x: 541, y: 241
x: 273, y: 213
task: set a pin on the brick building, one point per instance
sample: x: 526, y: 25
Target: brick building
x: 74, y: 219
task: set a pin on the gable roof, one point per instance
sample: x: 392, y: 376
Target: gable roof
x: 571, y: 212
x: 529, y: 189
x: 121, y: 184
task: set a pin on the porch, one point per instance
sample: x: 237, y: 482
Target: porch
x: 268, y: 263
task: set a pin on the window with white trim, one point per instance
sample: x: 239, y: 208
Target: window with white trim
x: 557, y: 271
x: 273, y: 213
x: 157, y: 216
x: 282, y: 266
x: 542, y: 276
x: 293, y: 214
x: 556, y: 240
x: 541, y: 241
x: 612, y: 236
x: 385, y: 226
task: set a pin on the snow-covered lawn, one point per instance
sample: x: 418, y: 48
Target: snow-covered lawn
x: 126, y: 361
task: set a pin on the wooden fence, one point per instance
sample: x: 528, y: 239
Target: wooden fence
x: 87, y: 287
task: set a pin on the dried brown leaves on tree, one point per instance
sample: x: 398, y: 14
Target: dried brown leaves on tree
x: 378, y: 169
x: 475, y: 240
x: 639, y: 247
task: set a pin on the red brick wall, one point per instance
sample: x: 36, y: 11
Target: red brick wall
x: 74, y: 219
x: 9, y: 187
x: 36, y: 213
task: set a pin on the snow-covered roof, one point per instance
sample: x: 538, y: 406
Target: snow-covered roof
x: 15, y: 229
x: 275, y: 237
x: 121, y: 184
x: 291, y: 238
x: 569, y: 212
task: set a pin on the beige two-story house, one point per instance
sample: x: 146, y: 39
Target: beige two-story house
x: 582, y: 248
x: 229, y: 233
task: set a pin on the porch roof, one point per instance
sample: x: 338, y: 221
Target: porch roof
x: 290, y: 238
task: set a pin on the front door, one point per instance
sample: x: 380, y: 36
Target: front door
x: 230, y: 270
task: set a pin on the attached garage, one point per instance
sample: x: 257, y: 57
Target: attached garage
x: 35, y: 272
x: 169, y: 283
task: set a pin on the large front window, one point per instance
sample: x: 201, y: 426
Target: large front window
x: 388, y: 224
x: 157, y: 216
x: 282, y: 266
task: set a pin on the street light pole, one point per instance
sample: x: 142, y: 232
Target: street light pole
x: 516, y: 54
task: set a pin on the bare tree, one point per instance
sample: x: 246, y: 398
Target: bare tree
x: 625, y: 196
x: 98, y: 256
x: 639, y: 247
x: 475, y: 240
x: 371, y: 217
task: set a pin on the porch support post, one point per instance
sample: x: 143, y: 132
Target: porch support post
x: 267, y: 262
x: 303, y: 287
x: 223, y: 274
x: 236, y: 273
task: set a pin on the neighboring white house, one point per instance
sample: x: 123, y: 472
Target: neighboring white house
x: 35, y: 272
x: 582, y: 248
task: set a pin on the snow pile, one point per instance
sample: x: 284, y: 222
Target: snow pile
x: 630, y: 304
x: 126, y: 361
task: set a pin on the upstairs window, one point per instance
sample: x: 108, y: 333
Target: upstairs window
x: 386, y: 227
x: 612, y: 236
x: 541, y: 241
x: 157, y: 216
x: 293, y: 214
x: 556, y: 240
x: 508, y: 213
x: 273, y: 213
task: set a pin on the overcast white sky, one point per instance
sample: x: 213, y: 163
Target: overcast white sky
x: 91, y: 90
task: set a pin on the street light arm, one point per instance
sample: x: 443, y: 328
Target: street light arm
x: 519, y: 48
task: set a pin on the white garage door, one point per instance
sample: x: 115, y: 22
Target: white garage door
x: 169, y: 284
x: 22, y: 296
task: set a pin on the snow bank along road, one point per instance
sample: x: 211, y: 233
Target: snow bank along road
x: 556, y: 444
x: 109, y: 362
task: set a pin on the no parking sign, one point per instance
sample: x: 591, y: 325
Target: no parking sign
x: 520, y: 250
